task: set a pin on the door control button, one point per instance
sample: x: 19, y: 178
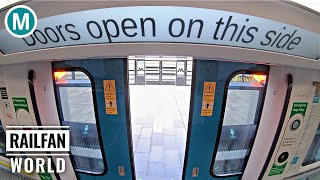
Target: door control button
x: 295, y: 125
x: 283, y: 157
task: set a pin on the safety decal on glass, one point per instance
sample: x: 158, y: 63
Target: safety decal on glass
x: 110, y: 96
x: 208, y: 98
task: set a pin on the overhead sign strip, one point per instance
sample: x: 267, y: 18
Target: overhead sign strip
x: 178, y: 24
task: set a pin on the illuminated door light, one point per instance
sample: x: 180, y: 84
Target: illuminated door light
x: 259, y: 78
x: 59, y: 75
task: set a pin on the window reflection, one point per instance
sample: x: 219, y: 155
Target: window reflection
x: 2, y: 140
x: 314, y: 150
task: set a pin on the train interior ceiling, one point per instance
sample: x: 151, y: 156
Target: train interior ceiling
x: 168, y: 90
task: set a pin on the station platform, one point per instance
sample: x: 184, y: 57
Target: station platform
x: 159, y: 116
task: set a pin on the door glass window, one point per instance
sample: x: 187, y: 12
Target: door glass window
x: 76, y: 105
x: 241, y: 114
x: 314, y: 150
x: 2, y: 140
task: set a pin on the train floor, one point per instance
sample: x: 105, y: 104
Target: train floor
x: 159, y: 116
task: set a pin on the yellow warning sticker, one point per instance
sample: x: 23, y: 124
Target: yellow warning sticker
x: 110, y: 97
x: 208, y: 98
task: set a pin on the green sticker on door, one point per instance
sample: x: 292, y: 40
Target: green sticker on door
x: 288, y: 141
x: 275, y: 170
x: 20, y: 103
x: 299, y: 108
x: 43, y: 175
x: 297, y: 114
x: 22, y: 110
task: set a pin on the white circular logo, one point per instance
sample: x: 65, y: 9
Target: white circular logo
x: 20, y: 21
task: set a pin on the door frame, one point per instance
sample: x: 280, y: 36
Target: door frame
x: 224, y: 102
x: 94, y: 98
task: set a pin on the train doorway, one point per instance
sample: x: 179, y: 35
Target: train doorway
x: 174, y: 125
x: 160, y: 90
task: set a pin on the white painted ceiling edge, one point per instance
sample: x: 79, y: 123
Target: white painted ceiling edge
x: 6, y: 3
x: 282, y: 12
x: 311, y: 4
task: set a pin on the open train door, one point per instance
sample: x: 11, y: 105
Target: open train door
x: 92, y: 98
x: 226, y: 104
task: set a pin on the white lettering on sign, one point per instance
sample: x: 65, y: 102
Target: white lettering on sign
x: 37, y: 140
x: 177, y: 24
x: 16, y: 21
x: 37, y: 165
